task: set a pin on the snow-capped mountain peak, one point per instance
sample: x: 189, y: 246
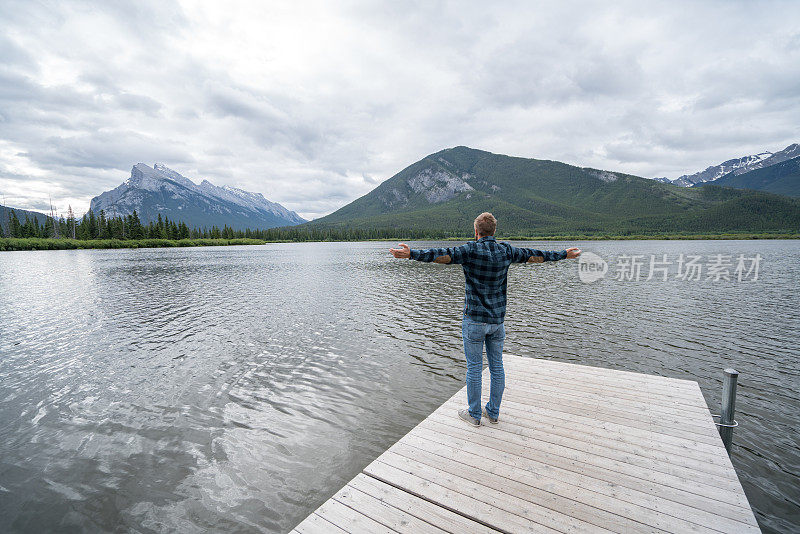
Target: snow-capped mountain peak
x: 737, y: 166
x: 159, y: 189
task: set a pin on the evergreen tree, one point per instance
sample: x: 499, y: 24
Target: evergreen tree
x: 71, y: 226
x: 50, y: 228
x: 5, y: 223
x: 82, y: 231
x: 14, y: 225
x: 110, y: 228
x: 135, y: 226
x: 162, y: 230
x: 30, y: 228
x: 102, y: 223
x: 92, y: 230
x: 63, y: 229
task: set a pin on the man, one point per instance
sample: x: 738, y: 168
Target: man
x: 485, y: 263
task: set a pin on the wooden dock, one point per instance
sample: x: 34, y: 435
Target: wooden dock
x: 577, y: 449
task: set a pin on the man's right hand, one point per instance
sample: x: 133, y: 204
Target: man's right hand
x: 403, y: 252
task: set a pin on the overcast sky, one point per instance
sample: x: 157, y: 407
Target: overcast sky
x: 314, y: 103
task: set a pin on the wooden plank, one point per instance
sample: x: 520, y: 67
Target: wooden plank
x: 507, y: 440
x: 685, y: 426
x: 349, y: 519
x: 598, y: 377
x: 534, y: 416
x: 709, y: 461
x: 701, y: 461
x: 598, y: 374
x: 575, y: 486
x: 315, y: 524
x: 535, y: 439
x: 653, y: 418
x: 478, y: 505
x: 584, y: 422
x: 389, y: 516
x: 687, y: 400
x: 659, y: 402
x: 638, y: 407
x: 610, y: 417
x: 688, y: 495
x: 579, y: 502
x: 543, y: 461
x: 613, y: 408
x: 543, y: 380
x: 464, y: 491
x: 550, y: 493
x: 651, y: 388
x: 426, y: 510
x: 599, y: 371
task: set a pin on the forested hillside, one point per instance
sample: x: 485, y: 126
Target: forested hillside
x: 446, y: 190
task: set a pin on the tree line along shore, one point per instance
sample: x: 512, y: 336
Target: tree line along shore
x: 99, y: 231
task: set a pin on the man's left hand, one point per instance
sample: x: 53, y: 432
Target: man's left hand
x: 573, y: 253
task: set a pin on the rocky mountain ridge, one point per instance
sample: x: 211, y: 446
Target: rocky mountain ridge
x: 159, y: 189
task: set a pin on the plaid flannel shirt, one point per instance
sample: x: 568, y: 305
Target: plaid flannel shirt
x: 485, y: 263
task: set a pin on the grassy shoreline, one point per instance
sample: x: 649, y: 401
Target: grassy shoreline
x: 13, y: 243
x: 36, y: 243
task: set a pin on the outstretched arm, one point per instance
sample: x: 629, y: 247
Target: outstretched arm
x: 532, y: 255
x: 435, y: 255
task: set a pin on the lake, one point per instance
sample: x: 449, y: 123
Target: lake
x: 237, y: 388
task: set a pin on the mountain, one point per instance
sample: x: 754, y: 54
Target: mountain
x: 714, y: 172
x: 782, y: 178
x: 736, y: 166
x: 159, y: 189
x: 5, y: 214
x: 446, y: 190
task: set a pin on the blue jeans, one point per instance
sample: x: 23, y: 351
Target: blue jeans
x: 475, y: 335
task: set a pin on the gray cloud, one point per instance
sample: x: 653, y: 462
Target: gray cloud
x: 140, y: 103
x: 103, y: 150
x: 314, y: 104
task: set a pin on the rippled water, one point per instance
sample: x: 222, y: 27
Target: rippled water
x: 237, y: 388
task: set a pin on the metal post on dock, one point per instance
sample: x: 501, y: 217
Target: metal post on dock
x: 727, y: 423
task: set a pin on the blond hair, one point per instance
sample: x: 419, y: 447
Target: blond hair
x: 485, y: 224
